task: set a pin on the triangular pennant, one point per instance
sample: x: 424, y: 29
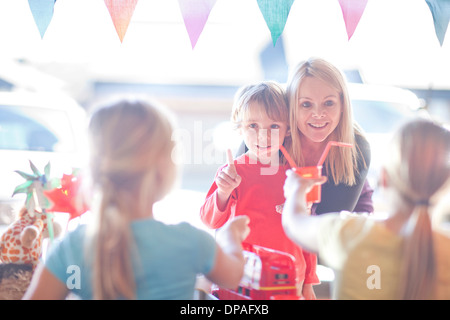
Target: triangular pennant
x: 42, y: 11
x: 195, y: 14
x: 121, y: 12
x: 352, y: 11
x: 275, y: 14
x: 440, y: 9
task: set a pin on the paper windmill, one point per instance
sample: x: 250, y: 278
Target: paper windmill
x: 67, y: 198
x: 34, y: 187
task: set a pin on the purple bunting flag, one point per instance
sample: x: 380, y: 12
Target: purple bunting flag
x: 275, y: 14
x: 195, y: 15
x: 42, y: 11
x: 352, y: 11
x: 440, y: 10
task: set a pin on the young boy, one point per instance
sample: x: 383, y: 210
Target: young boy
x: 252, y: 184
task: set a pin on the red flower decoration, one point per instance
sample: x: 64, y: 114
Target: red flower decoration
x: 67, y: 198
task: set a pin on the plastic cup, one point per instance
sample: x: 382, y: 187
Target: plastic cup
x: 314, y: 195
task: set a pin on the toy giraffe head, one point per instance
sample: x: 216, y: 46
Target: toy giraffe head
x: 22, y: 241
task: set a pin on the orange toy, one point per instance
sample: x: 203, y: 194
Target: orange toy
x: 21, y: 243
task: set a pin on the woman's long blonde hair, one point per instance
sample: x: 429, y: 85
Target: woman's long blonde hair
x: 417, y: 168
x: 341, y: 163
x: 131, y: 168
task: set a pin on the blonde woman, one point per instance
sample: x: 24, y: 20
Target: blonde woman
x: 320, y: 111
x: 126, y: 254
x: 402, y: 256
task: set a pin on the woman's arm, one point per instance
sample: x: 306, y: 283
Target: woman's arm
x: 228, y: 268
x: 298, y: 224
x: 45, y: 286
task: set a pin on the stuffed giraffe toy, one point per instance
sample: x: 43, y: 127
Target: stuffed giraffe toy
x: 21, y: 243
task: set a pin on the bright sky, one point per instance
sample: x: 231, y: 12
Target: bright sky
x: 394, y: 42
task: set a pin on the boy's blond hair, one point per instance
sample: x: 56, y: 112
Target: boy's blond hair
x: 268, y: 94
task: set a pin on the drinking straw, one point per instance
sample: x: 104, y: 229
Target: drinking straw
x: 288, y: 157
x: 327, y: 149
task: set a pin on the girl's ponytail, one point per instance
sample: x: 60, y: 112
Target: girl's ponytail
x: 419, y: 167
x: 131, y: 168
x: 418, y: 268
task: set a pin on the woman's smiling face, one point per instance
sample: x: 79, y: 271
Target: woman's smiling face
x: 319, y: 109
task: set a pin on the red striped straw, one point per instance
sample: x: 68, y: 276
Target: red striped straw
x: 288, y: 157
x: 327, y: 149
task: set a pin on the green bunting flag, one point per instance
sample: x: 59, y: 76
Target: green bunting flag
x: 275, y: 14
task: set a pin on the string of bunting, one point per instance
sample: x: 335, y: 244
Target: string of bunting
x: 196, y: 12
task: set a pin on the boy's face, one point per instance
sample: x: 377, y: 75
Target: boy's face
x: 263, y: 135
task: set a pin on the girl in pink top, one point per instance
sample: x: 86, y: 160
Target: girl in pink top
x: 252, y: 184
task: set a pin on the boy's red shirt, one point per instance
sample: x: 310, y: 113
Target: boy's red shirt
x: 260, y: 191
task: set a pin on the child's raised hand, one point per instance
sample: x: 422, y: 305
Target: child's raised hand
x: 295, y: 183
x: 228, y: 179
x: 237, y: 227
x: 228, y: 268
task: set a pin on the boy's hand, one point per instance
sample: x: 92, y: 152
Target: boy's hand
x: 228, y: 179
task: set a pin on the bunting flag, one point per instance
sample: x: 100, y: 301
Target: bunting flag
x: 440, y: 10
x: 42, y: 11
x: 352, y: 11
x: 121, y: 12
x: 195, y: 14
x: 275, y: 14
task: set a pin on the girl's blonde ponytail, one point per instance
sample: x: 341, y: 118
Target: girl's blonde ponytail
x: 419, y: 167
x: 131, y: 168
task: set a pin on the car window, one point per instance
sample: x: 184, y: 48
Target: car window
x: 378, y: 116
x: 35, y: 129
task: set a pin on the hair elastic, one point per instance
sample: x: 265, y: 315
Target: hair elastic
x: 423, y: 202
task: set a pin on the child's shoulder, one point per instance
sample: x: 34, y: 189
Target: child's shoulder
x: 183, y: 230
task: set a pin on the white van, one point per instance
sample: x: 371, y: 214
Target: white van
x: 40, y: 128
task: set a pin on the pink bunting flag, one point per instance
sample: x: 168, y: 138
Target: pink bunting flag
x: 121, y: 12
x: 195, y: 15
x: 352, y: 11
